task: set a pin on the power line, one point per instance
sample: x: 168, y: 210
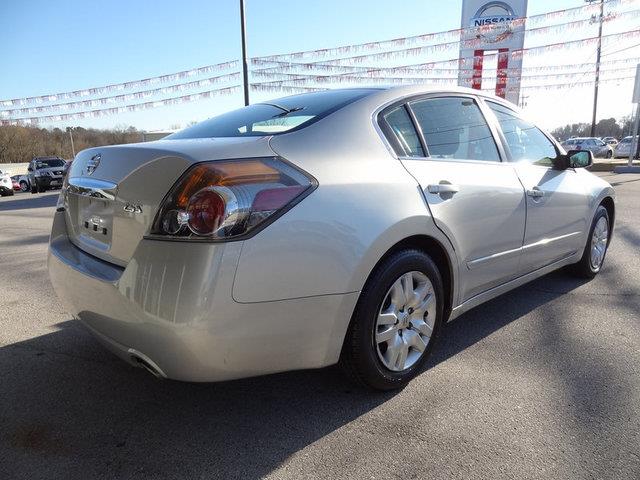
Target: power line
x: 621, y: 50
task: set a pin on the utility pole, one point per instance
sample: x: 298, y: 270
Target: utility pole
x: 73, y: 150
x: 245, y: 67
x: 595, y: 88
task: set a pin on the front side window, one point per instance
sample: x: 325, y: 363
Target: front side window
x: 526, y: 141
x: 400, y: 123
x: 455, y: 129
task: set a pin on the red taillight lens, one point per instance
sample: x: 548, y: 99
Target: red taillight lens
x: 205, y: 211
x: 226, y: 199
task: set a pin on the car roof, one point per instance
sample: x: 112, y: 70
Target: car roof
x: 397, y: 92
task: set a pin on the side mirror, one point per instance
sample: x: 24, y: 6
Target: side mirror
x: 574, y: 159
x: 580, y: 158
x: 29, y: 169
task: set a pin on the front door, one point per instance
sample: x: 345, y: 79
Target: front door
x: 556, y: 199
x: 474, y: 198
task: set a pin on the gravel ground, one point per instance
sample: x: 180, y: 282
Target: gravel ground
x: 543, y: 382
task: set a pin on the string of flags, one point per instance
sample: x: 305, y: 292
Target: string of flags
x: 516, y: 54
x: 232, y: 77
x: 122, y: 109
x: 172, y: 77
x: 428, y: 68
x: 451, y: 38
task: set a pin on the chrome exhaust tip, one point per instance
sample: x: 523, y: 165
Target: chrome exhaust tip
x: 142, y: 361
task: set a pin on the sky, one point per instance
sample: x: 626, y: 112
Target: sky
x: 64, y: 45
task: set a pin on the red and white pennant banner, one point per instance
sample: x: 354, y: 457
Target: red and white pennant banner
x: 420, y: 68
x: 420, y: 51
x: 122, y: 109
x: 231, y: 77
x: 172, y: 77
x: 360, y: 78
x: 451, y: 38
x: 552, y: 86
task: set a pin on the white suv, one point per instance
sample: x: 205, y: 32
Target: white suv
x: 6, y: 186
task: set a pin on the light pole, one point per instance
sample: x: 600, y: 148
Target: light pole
x: 245, y: 67
x: 595, y: 88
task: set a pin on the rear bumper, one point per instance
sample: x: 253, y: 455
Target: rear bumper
x: 172, y: 306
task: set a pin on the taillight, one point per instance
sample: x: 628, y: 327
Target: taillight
x: 227, y: 199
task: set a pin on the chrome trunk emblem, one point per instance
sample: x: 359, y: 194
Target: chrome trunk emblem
x: 132, y: 208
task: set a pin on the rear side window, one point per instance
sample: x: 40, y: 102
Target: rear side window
x: 400, y: 123
x: 525, y: 140
x: 455, y: 129
x: 274, y: 116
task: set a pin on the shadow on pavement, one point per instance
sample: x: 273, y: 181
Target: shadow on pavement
x: 69, y: 406
x: 24, y: 202
x: 25, y: 241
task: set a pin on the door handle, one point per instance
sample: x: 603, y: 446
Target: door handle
x: 441, y: 187
x: 535, y: 192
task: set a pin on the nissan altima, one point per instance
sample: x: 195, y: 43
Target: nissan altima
x: 342, y: 226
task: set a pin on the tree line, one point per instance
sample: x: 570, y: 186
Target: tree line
x: 20, y: 144
x: 607, y: 127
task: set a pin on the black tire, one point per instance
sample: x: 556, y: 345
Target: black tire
x: 609, y: 154
x: 584, y: 268
x: 42, y: 189
x: 10, y: 193
x: 24, y: 186
x: 359, y: 358
x: 34, y: 189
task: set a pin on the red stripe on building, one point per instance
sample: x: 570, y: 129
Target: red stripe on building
x: 501, y: 73
x: 476, y: 80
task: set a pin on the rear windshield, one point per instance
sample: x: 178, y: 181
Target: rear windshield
x: 273, y: 117
x: 49, y: 163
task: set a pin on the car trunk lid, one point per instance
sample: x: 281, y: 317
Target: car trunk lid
x: 113, y: 193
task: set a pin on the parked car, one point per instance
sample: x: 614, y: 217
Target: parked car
x: 595, y: 145
x: 623, y: 149
x: 45, y: 173
x: 15, y: 182
x: 6, y: 187
x: 610, y: 141
x: 336, y: 226
x: 23, y: 181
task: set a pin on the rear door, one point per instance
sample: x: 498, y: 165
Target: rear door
x: 557, y: 201
x: 475, y: 199
x: 601, y: 148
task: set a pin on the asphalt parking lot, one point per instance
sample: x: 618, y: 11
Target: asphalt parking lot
x: 543, y: 382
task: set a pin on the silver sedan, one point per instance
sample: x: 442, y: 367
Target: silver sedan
x: 593, y: 144
x: 343, y: 226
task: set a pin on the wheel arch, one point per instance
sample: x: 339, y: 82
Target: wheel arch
x: 608, y: 203
x: 438, y: 253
